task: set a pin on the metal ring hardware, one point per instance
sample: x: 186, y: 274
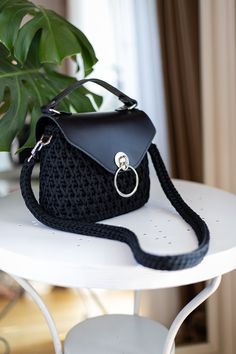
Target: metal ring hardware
x: 42, y: 142
x: 132, y: 106
x: 127, y: 108
x: 122, y: 161
x: 54, y: 111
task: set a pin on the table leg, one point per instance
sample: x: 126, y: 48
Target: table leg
x: 211, y: 287
x: 38, y: 300
x: 137, y: 298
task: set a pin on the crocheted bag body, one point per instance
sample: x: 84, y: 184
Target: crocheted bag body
x: 74, y: 186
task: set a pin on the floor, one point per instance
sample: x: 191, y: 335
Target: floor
x: 24, y: 327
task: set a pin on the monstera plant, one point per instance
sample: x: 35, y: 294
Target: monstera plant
x: 34, y: 41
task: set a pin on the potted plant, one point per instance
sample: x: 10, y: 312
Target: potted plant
x: 34, y: 41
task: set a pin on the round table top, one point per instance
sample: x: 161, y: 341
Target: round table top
x: 34, y: 251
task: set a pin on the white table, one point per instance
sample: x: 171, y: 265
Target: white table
x: 30, y: 250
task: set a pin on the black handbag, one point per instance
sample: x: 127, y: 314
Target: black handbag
x: 94, y: 166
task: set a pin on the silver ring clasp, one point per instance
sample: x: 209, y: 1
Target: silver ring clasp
x: 122, y: 161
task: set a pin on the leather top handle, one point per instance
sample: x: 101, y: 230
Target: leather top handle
x: 129, y: 103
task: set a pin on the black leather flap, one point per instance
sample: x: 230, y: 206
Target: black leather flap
x: 102, y: 135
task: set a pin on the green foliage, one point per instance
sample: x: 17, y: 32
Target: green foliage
x: 32, y: 49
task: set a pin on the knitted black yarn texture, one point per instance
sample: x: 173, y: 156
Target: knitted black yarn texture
x: 188, y: 214
x: 175, y: 262
x: 74, y: 186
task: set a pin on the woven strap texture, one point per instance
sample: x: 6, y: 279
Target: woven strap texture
x: 175, y: 262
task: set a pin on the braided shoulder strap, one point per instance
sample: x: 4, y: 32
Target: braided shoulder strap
x: 175, y: 262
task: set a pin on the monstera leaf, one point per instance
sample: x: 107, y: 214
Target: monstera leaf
x: 30, y: 55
